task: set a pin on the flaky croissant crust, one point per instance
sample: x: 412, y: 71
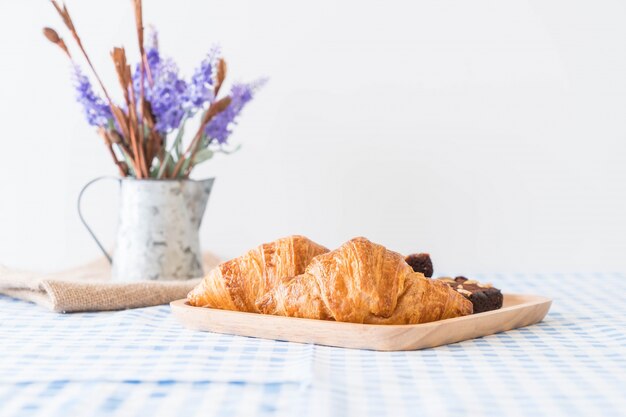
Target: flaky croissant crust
x: 360, y: 282
x: 238, y: 284
x: 363, y: 282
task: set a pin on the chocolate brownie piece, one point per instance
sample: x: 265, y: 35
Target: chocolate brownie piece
x: 420, y: 262
x: 484, y: 297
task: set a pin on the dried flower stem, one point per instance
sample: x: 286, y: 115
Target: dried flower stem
x: 54, y: 37
x: 144, y: 58
x: 67, y: 20
x: 123, y: 74
x: 115, y: 137
x: 107, y: 140
x: 191, y: 158
x: 139, y: 24
x: 65, y: 15
x: 215, y: 108
x: 137, y: 131
x: 220, y: 76
x: 154, y: 146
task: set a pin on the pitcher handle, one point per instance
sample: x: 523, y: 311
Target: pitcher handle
x: 82, y: 219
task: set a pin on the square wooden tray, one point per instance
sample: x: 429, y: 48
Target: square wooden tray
x: 518, y: 311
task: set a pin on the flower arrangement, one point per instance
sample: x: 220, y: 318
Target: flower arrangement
x: 157, y: 103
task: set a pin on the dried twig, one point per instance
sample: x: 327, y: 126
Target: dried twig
x: 214, y: 109
x: 124, y: 77
x: 155, y: 144
x: 137, y: 131
x: 123, y: 70
x: 67, y: 20
x: 142, y: 68
x: 65, y: 16
x: 221, y: 75
x: 107, y: 140
x: 54, y: 37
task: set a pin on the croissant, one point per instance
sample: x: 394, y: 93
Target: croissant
x: 240, y: 282
x: 363, y: 282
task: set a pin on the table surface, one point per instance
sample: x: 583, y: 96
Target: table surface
x: 142, y: 362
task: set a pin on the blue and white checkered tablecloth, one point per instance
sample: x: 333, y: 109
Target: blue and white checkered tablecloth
x: 143, y: 363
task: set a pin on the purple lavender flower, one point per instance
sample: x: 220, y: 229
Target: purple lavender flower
x: 152, y: 52
x: 167, y: 96
x: 154, y: 59
x: 168, y: 93
x: 96, y: 109
x: 201, y: 87
x: 220, y: 127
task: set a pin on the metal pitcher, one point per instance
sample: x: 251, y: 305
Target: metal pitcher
x: 157, y: 236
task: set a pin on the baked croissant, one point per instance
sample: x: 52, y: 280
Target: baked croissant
x: 362, y: 282
x: 238, y: 284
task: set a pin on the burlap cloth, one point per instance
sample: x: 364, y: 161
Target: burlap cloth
x: 89, y: 288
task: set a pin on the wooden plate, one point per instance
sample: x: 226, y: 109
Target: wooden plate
x: 517, y: 311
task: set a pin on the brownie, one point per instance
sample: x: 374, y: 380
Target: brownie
x: 420, y: 262
x: 484, y: 297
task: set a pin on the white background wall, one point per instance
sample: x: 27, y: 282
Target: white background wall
x: 490, y: 133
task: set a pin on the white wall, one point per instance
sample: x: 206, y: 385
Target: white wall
x: 490, y: 133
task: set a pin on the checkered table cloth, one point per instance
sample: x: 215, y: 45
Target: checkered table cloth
x: 143, y: 363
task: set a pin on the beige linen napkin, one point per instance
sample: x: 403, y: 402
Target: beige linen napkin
x: 89, y: 288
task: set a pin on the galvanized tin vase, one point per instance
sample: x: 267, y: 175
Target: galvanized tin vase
x: 157, y: 236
